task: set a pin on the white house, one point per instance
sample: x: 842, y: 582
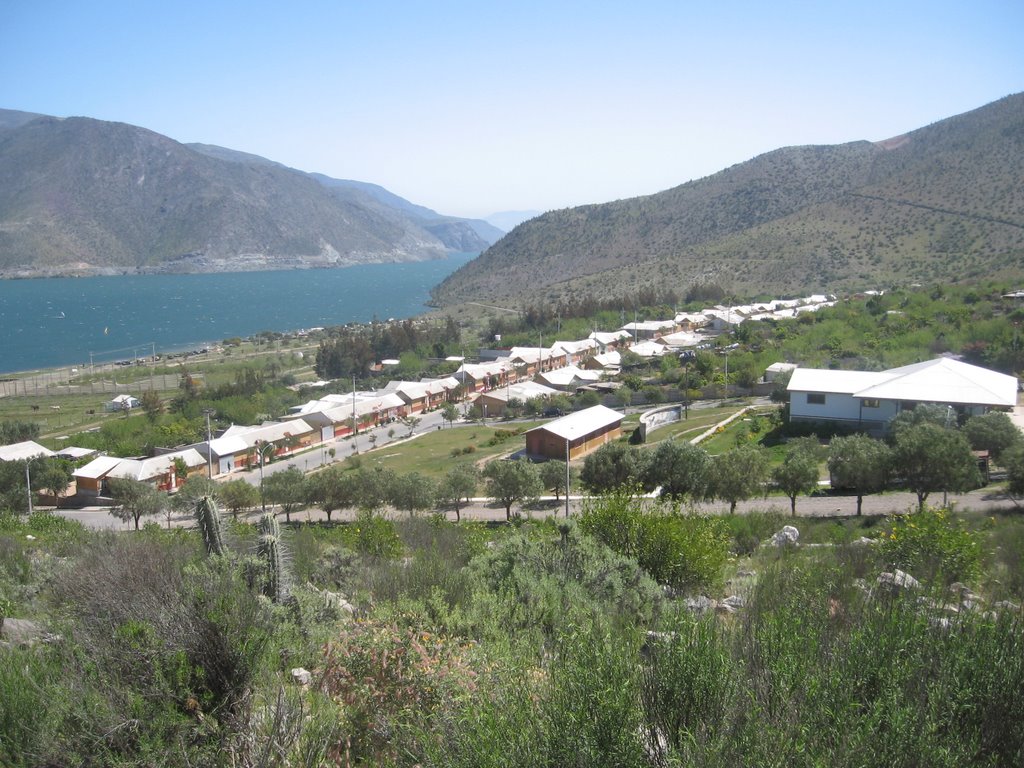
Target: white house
x: 869, y: 400
x: 23, y: 451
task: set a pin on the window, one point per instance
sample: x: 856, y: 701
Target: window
x: 870, y: 403
x: 815, y: 398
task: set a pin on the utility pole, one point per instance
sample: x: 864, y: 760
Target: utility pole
x: 567, y: 477
x: 28, y: 486
x: 209, y: 450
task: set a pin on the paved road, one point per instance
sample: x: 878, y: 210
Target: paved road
x: 983, y: 500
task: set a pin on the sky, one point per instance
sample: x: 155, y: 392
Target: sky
x: 471, y: 108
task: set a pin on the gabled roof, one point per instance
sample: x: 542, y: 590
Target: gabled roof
x: 563, y: 377
x: 27, y: 449
x: 98, y: 467
x: 524, y: 390
x: 946, y: 381
x: 582, y: 423
x: 934, y: 381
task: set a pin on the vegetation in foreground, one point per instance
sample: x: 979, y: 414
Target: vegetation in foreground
x: 552, y: 643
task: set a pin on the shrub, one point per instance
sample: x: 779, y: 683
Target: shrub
x: 684, y: 551
x: 931, y: 543
x: 373, y: 536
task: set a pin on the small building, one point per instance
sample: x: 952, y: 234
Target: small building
x: 578, y: 434
x: 776, y: 370
x: 121, y: 403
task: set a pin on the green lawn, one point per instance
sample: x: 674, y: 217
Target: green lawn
x: 431, y: 454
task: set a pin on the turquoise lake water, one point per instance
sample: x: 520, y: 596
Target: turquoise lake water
x: 59, y: 321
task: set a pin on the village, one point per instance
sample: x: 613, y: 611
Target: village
x: 515, y: 381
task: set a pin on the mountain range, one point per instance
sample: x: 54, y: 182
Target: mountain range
x: 80, y: 196
x: 941, y: 203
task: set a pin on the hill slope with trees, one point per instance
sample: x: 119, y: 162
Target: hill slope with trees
x: 941, y: 203
x: 83, y: 196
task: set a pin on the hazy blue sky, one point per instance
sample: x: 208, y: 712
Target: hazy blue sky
x: 476, y: 107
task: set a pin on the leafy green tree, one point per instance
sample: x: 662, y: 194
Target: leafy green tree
x: 192, y: 490
x: 134, y: 499
x: 797, y: 475
x: 926, y: 413
x: 512, y: 481
x: 860, y: 463
x: 17, y: 431
x: 413, y: 492
x: 1013, y: 460
x: 738, y: 474
x: 994, y: 432
x: 930, y: 458
x: 449, y: 413
x: 613, y: 466
x: 679, y: 468
x: 457, y: 486
x: 286, y: 489
x: 373, y: 488
x: 238, y: 495
x: 151, y: 404
x: 552, y: 475
x: 331, y: 489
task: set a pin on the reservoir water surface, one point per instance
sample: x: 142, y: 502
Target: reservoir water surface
x: 63, y: 321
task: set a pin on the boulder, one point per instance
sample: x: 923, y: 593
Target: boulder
x: 897, y: 582
x: 700, y: 604
x: 21, y: 632
x: 302, y: 676
x: 787, y: 537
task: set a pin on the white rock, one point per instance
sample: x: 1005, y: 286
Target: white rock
x: 302, y: 676
x: 787, y: 537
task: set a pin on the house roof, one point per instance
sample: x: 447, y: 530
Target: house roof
x: 73, y: 452
x: 24, y: 450
x: 524, y: 390
x: 582, y: 423
x: 942, y: 380
x: 563, y: 377
x: 98, y: 467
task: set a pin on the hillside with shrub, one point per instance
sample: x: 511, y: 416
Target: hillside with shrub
x: 940, y: 203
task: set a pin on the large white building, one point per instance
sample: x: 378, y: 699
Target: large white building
x: 869, y: 400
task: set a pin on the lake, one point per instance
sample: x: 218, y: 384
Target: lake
x: 55, y: 322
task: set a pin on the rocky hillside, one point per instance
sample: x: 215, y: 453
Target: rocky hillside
x: 83, y: 196
x: 943, y: 202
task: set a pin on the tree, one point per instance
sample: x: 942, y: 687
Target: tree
x: 552, y: 475
x: 613, y: 466
x: 151, y: 404
x: 994, y: 432
x: 373, y: 488
x: 449, y: 413
x: 798, y: 474
x: 458, y: 485
x: 16, y: 431
x: 331, y: 489
x: 737, y: 475
x: 192, y: 490
x: 287, y: 490
x: 238, y: 495
x: 679, y: 468
x: 411, y: 422
x: 512, y: 481
x: 1014, y: 463
x: 625, y: 396
x: 134, y: 499
x: 413, y: 492
x: 930, y: 458
x: 51, y: 475
x: 859, y: 463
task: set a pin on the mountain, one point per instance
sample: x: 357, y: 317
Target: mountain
x: 941, y: 203
x: 506, y: 221
x: 457, y: 234
x: 83, y: 196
